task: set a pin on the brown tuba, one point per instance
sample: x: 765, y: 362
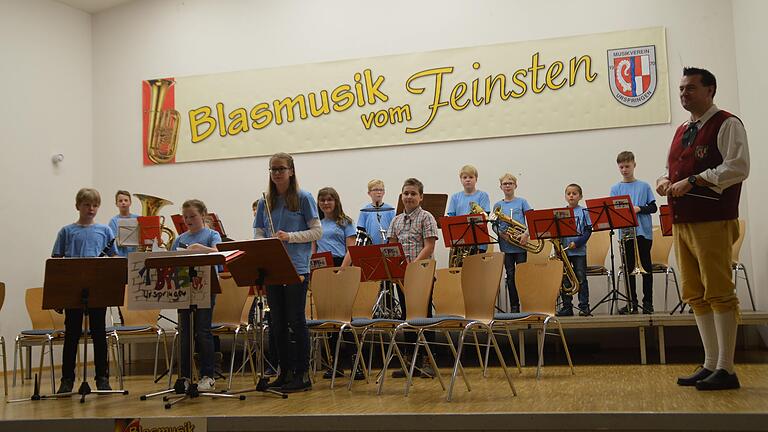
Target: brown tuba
x: 150, y: 206
x: 163, y: 125
x: 515, y: 231
x: 558, y: 253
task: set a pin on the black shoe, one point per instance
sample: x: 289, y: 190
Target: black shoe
x: 564, y: 312
x: 691, y: 380
x: 515, y: 309
x: 269, y: 371
x: 627, y: 311
x: 359, y: 375
x: 102, y: 383
x: 181, y: 386
x: 66, y: 385
x: 281, y: 380
x: 402, y: 374
x: 426, y: 371
x: 329, y: 373
x: 719, y: 380
x: 584, y: 312
x: 299, y: 383
x: 648, y: 310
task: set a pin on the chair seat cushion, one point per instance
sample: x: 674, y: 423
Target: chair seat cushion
x: 39, y: 332
x: 318, y: 323
x: 129, y: 328
x: 508, y: 316
x: 423, y: 322
x: 375, y: 321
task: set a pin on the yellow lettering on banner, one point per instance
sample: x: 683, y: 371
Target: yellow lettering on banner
x: 437, y: 103
x: 198, y: 117
x: 534, y: 70
x: 342, y: 93
x: 373, y: 88
x: 239, y: 123
x: 359, y: 90
x: 490, y: 83
x: 520, y: 83
x: 393, y: 115
x: 289, y: 103
x: 261, y: 116
x: 325, y: 106
x: 587, y: 60
x: 552, y: 73
x: 458, y: 92
x: 476, y: 100
x: 221, y: 119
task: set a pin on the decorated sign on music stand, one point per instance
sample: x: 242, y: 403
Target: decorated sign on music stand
x: 665, y: 218
x: 320, y: 260
x: 379, y: 262
x: 465, y: 230
x: 611, y: 212
x: 551, y: 223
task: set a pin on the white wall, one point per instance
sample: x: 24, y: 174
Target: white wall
x: 46, y: 86
x: 145, y: 40
x: 750, y: 33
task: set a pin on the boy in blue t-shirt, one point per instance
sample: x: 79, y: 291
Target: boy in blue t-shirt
x: 123, y: 203
x: 84, y: 238
x: 460, y: 202
x: 514, y: 207
x: 576, y: 250
x: 644, y: 203
x: 376, y: 222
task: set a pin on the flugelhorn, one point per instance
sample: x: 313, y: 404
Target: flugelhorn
x: 515, y: 231
x: 150, y: 206
x: 163, y: 125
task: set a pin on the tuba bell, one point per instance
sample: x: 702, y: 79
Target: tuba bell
x: 150, y: 206
x: 163, y: 124
x: 515, y: 231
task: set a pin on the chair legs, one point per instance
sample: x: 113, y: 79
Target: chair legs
x: 457, y: 361
x: 736, y: 269
x: 5, y: 368
x: 542, y: 337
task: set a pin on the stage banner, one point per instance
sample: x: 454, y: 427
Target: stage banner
x: 162, y: 424
x: 575, y: 83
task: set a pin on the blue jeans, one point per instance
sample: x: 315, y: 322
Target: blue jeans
x: 579, y: 264
x: 203, y: 339
x: 286, y: 309
x: 510, y: 261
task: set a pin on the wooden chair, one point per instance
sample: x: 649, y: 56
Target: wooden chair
x: 737, y: 265
x: 660, y: 249
x: 334, y: 290
x: 230, y: 316
x: 43, y: 333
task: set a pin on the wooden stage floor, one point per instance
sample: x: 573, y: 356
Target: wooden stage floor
x: 605, y: 397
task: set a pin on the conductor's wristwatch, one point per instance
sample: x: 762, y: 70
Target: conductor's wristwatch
x: 692, y: 180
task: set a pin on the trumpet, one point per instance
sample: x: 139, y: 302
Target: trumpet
x: 558, y: 252
x: 458, y: 253
x: 515, y: 232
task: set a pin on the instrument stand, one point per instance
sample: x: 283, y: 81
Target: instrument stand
x: 264, y: 262
x: 190, y: 391
x: 613, y: 295
x: 68, y: 283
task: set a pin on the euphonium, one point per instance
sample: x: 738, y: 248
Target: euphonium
x: 457, y: 254
x: 150, y: 206
x: 163, y: 124
x: 558, y: 252
x: 515, y: 231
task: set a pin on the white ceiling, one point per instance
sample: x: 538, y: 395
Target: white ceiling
x: 93, y: 6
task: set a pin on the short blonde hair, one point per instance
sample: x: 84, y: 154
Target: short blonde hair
x: 374, y: 183
x: 87, y: 195
x: 507, y: 176
x: 468, y: 170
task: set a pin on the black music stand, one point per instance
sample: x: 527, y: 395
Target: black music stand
x: 191, y: 261
x: 265, y: 262
x: 610, y: 214
x: 82, y: 283
x: 383, y: 262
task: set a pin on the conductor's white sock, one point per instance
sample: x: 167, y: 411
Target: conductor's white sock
x: 709, y: 338
x: 726, y: 326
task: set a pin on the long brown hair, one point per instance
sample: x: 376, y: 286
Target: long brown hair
x: 292, y: 194
x: 338, y: 212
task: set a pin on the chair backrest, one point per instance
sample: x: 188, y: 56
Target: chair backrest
x: 737, y: 246
x: 480, y: 279
x: 365, y: 300
x: 660, y: 247
x: 447, y: 295
x: 597, y: 248
x: 538, y: 286
x: 137, y: 317
x: 246, y: 313
x: 2, y: 294
x: 334, y: 290
x: 41, y: 318
x: 229, y: 304
x: 541, y: 256
x: 417, y: 287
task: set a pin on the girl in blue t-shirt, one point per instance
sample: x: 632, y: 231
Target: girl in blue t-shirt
x: 338, y: 229
x: 200, y: 238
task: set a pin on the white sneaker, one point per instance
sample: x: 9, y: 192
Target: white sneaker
x: 206, y: 384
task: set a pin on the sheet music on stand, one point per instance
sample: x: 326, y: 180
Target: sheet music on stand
x: 379, y: 262
x: 320, y: 260
x: 611, y: 213
x: 465, y: 230
x: 551, y: 223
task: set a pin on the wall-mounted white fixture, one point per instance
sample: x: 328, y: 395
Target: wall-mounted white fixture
x: 58, y: 157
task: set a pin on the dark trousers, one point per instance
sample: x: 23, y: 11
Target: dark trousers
x: 410, y: 337
x: 73, y: 329
x: 286, y: 308
x: 579, y: 264
x: 510, y: 261
x: 644, y: 248
x: 203, y: 340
